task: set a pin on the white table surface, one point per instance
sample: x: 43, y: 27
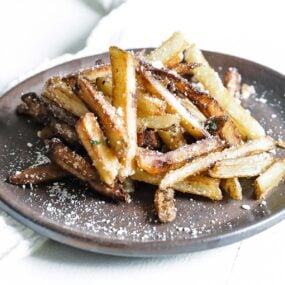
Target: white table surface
x: 250, y: 30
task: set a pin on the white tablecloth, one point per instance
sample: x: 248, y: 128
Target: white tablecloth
x: 249, y: 30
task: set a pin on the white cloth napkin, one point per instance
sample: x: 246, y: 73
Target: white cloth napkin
x: 212, y: 24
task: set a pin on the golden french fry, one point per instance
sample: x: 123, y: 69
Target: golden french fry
x: 125, y: 100
x: 269, y: 179
x: 164, y: 204
x: 102, y: 70
x: 38, y: 174
x: 247, y: 125
x: 156, y: 162
x: 190, y: 123
x: 203, y: 163
x: 150, y: 106
x: 248, y: 166
x: 157, y: 122
x: 197, y: 185
x: 192, y: 109
x: 94, y: 142
x: 104, y: 84
x: 111, y: 121
x: 59, y: 92
x: 232, y: 187
x: 170, y: 52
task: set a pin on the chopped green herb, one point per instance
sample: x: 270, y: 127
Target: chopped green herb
x: 105, y: 141
x: 212, y: 126
x: 95, y: 142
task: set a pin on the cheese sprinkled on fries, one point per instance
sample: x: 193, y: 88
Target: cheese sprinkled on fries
x: 164, y: 118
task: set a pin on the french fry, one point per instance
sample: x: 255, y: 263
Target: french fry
x: 232, y: 81
x: 248, y: 166
x: 38, y: 174
x: 146, y: 104
x: 111, y: 121
x: 150, y: 106
x: 64, y: 131
x: 161, y: 101
x: 164, y: 204
x: 158, y: 122
x: 192, y: 109
x: 170, y: 52
x: 102, y: 70
x: 173, y: 137
x: 190, y: 123
x: 281, y: 143
x: 206, y: 104
x: 104, y: 84
x: 55, y: 111
x: 197, y: 185
x: 78, y: 166
x: 185, y: 68
x: 246, y: 124
x: 269, y: 179
x: 46, y: 132
x: 93, y: 141
x: 148, y: 139
x: 33, y: 106
x: 59, y: 92
x: 125, y: 100
x: 156, y: 162
x: 203, y: 163
x: 223, y: 127
x: 232, y: 187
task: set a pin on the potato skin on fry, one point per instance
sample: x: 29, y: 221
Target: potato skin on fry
x: 190, y: 123
x: 164, y: 204
x: 148, y: 139
x: 112, y: 123
x: 223, y: 127
x: 248, y: 127
x: 156, y: 162
x: 78, y: 166
x: 93, y: 140
x: 60, y: 93
x: 38, y: 174
x: 33, y: 106
x: 206, y: 104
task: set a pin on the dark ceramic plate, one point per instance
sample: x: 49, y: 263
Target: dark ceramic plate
x: 71, y: 214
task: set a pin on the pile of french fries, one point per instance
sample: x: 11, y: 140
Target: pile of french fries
x: 142, y: 118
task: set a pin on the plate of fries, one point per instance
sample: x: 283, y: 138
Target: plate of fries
x: 146, y: 152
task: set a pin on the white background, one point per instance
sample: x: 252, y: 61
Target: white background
x: 32, y: 31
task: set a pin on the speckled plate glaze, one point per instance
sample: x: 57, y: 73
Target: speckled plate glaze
x: 71, y: 214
